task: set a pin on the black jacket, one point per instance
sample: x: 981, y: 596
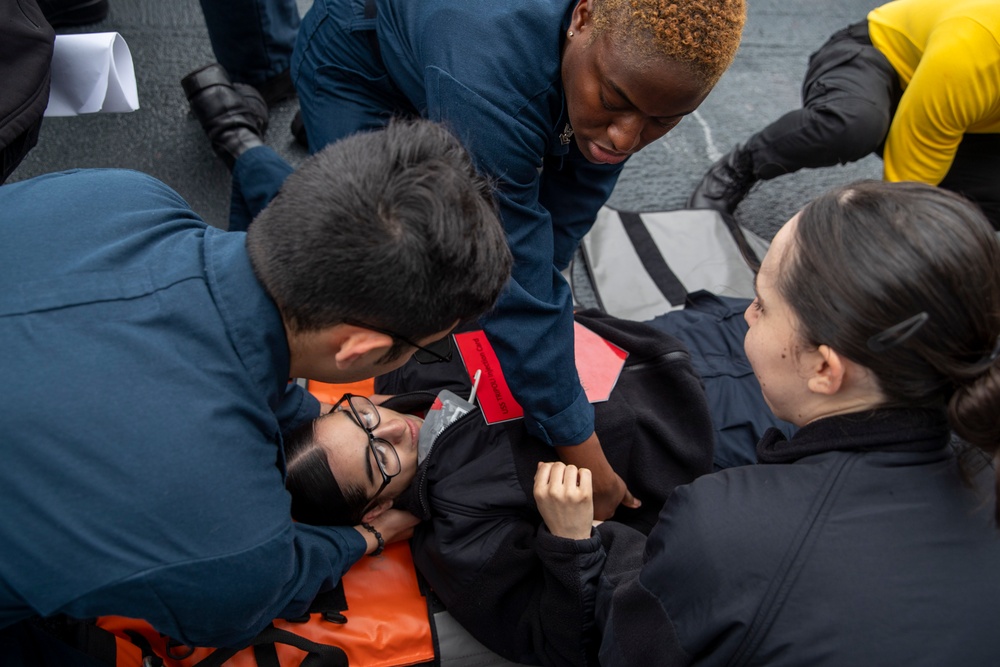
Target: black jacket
x: 477, y: 546
x: 854, y: 543
x: 26, y: 43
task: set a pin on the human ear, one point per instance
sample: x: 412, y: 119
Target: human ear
x: 376, y: 511
x: 355, y: 346
x: 581, y: 16
x: 827, y: 375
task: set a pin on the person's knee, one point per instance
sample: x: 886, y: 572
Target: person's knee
x: 855, y: 129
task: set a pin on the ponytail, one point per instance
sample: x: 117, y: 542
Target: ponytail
x: 904, y: 279
x: 974, y: 414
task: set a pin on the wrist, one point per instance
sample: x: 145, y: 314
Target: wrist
x: 588, y: 454
x: 379, y: 540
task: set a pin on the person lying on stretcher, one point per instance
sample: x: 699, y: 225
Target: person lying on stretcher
x: 472, y: 488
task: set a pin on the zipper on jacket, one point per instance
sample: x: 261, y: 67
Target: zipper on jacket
x: 422, y: 482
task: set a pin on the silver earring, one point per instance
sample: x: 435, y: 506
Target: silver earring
x: 570, y: 33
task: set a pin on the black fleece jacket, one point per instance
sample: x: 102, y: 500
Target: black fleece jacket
x: 857, y: 542
x: 479, y: 544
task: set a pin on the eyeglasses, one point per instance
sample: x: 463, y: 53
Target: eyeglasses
x: 366, y: 416
x: 437, y: 352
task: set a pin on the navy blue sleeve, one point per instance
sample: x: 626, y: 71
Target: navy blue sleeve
x: 531, y: 327
x: 229, y: 599
x: 297, y: 407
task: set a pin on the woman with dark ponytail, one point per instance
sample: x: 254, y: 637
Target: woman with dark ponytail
x: 871, y: 536
x: 905, y: 281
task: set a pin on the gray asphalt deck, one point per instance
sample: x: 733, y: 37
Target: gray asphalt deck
x: 168, y: 40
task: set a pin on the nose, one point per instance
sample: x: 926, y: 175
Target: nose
x: 625, y: 133
x: 392, y: 430
x: 750, y: 314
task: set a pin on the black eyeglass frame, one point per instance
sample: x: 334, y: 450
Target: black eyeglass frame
x: 429, y: 355
x: 369, y: 431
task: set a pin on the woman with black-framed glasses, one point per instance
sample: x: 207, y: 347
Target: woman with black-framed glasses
x: 364, y: 413
x: 472, y: 487
x: 375, y: 457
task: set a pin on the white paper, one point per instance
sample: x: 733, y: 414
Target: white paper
x: 92, y: 73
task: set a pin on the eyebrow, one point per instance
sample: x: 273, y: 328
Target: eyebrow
x: 756, y: 292
x: 621, y: 93
x: 369, y: 472
x: 368, y: 461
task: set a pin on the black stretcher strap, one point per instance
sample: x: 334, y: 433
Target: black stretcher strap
x: 652, y: 260
x: 320, y: 655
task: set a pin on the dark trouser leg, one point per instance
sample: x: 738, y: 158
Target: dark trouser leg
x: 975, y: 173
x: 12, y: 154
x: 342, y: 82
x: 849, y: 95
x: 252, y: 39
x: 257, y: 177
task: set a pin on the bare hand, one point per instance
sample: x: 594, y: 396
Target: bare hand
x: 394, y: 525
x: 564, y: 495
x: 609, y: 493
x: 609, y: 489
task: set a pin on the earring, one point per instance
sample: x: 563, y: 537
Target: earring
x: 570, y: 33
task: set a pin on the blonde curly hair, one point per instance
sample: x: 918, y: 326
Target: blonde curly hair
x: 704, y: 34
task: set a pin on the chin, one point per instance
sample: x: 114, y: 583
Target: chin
x: 777, y: 412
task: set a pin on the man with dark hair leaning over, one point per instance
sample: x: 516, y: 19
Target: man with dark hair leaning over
x: 145, y: 383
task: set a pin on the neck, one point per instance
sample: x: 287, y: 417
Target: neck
x: 840, y: 407
x: 300, y: 352
x: 856, y: 389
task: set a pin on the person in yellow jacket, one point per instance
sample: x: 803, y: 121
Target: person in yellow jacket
x: 918, y: 82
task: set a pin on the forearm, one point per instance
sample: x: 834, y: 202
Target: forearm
x: 588, y: 454
x: 567, y: 597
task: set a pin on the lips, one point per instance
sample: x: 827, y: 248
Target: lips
x: 414, y: 427
x: 605, y: 156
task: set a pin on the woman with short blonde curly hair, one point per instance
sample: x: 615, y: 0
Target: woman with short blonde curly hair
x: 551, y: 97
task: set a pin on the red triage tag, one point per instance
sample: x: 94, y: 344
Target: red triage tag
x: 495, y: 399
x: 598, y: 362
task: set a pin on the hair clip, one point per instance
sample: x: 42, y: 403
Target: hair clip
x: 898, y: 333
x: 988, y: 359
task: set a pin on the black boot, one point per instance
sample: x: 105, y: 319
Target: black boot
x: 726, y: 183
x: 60, y: 13
x: 299, y: 130
x: 234, y: 116
x: 277, y: 89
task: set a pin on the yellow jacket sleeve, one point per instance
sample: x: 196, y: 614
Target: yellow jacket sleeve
x: 955, y: 89
x: 947, y: 56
